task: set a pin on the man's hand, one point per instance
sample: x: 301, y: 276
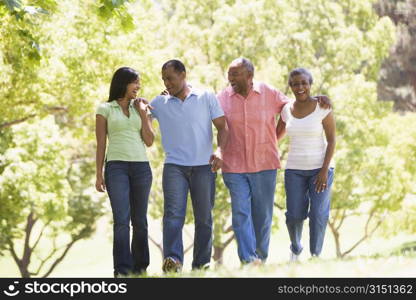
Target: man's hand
x: 216, y: 162
x: 324, y: 101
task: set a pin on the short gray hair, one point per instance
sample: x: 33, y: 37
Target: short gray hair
x: 300, y: 71
x: 246, y: 63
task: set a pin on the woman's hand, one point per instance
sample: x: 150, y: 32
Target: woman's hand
x: 142, y: 106
x: 99, y: 184
x: 321, y: 180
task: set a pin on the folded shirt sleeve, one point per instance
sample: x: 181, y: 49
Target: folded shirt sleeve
x: 102, y: 109
x: 214, y: 107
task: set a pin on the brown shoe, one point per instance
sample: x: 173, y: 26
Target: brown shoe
x: 171, y: 265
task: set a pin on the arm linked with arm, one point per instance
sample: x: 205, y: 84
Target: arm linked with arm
x: 280, y: 129
x: 222, y: 138
x: 281, y: 100
x: 146, y: 131
x: 222, y: 128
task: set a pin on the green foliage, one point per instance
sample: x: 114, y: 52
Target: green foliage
x: 28, y: 173
x: 371, y: 178
x: 43, y: 178
x: 403, y: 220
x: 116, y: 9
x: 66, y: 79
x: 21, y: 21
x: 12, y: 5
x: 59, y: 54
x: 57, y: 58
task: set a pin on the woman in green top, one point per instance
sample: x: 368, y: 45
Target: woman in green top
x: 127, y: 175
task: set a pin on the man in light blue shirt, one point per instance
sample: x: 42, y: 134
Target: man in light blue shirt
x: 185, y: 119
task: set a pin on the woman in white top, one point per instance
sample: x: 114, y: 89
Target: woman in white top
x: 308, y: 174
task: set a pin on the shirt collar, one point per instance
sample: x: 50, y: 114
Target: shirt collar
x: 256, y: 87
x: 114, y: 103
x: 192, y: 92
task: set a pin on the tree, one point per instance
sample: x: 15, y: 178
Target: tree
x: 66, y: 80
x: 404, y: 147
x: 398, y: 73
x: 44, y: 196
x: 20, y: 57
x: 52, y: 46
x: 371, y: 176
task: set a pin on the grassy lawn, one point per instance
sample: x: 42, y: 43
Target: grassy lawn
x: 93, y: 258
x: 394, y: 266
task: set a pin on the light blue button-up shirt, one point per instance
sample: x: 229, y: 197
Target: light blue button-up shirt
x: 186, y: 126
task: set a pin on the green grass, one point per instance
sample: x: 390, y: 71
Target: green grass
x: 377, y: 257
x: 383, y: 266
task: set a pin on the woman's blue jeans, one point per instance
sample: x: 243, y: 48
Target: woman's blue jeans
x: 303, y: 201
x: 128, y: 186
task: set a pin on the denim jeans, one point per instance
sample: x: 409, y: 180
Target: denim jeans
x: 252, y: 197
x: 128, y: 186
x: 177, y: 182
x: 302, y: 201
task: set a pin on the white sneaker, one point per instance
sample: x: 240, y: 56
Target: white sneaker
x: 294, y: 258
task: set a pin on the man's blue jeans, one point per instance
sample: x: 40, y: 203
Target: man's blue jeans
x: 302, y: 201
x: 252, y: 197
x: 128, y: 186
x: 177, y: 182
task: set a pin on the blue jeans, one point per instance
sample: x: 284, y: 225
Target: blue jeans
x: 128, y: 186
x: 252, y: 197
x: 302, y: 201
x: 177, y: 182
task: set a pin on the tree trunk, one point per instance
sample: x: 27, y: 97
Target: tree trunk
x: 24, y: 271
x: 335, y: 233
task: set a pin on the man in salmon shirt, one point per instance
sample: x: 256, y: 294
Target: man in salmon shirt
x: 250, y: 158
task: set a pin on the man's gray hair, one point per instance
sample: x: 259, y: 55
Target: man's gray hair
x: 246, y: 63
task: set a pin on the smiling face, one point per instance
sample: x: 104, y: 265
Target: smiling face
x: 174, y: 81
x: 240, y: 78
x: 300, y: 86
x: 132, y: 89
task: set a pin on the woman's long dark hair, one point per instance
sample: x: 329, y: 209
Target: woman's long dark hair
x: 121, y: 78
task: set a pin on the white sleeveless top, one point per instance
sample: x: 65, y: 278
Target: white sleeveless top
x: 307, y: 143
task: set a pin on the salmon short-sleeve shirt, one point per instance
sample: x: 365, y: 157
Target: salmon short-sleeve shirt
x: 252, y: 143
